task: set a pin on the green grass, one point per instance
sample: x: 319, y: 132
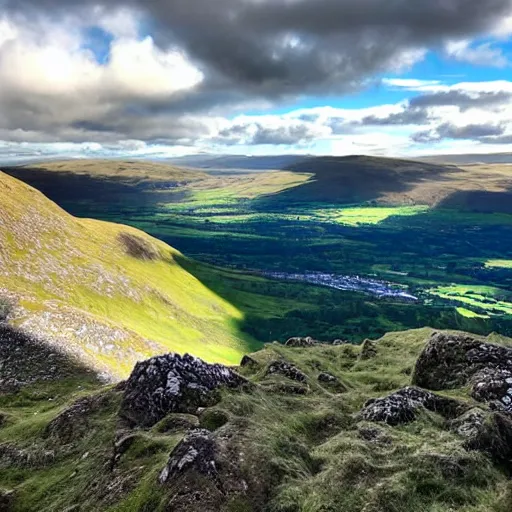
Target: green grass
x: 486, y: 298
x: 499, y: 264
x: 467, y: 313
x: 358, y: 216
x: 112, y: 308
x: 305, y: 452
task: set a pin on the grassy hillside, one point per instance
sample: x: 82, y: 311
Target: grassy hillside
x: 356, y: 179
x: 297, y: 452
x: 108, y: 293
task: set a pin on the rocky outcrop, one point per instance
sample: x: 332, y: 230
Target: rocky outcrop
x: 469, y: 424
x: 301, y: 342
x: 450, y: 360
x: 248, y: 361
x: 331, y: 382
x: 402, y: 406
x: 287, y: 370
x: 173, y: 383
x: 196, y: 451
x: 73, y: 423
x: 494, y: 438
x: 205, y: 473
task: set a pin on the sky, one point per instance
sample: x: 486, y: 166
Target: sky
x: 163, y: 78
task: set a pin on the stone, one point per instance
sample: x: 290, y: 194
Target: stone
x: 301, y: 342
x: 449, y: 361
x: 174, y: 384
x: 402, y: 406
x: 337, y: 343
x: 331, y: 382
x: 196, y: 451
x: 469, y: 424
x: 248, y: 361
x: 204, y: 472
x: 286, y: 369
x: 494, y: 438
x: 73, y: 423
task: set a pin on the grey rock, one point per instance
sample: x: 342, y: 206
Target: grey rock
x: 173, y: 383
x: 331, y: 382
x: 402, y: 406
x: 248, y: 361
x: 494, y: 438
x: 450, y: 360
x: 469, y: 424
x: 287, y: 370
x: 197, y: 451
x: 301, y: 342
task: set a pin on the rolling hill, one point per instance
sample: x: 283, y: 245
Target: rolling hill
x: 106, y: 293
x: 396, y: 182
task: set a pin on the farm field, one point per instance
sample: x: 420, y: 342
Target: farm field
x: 239, y: 230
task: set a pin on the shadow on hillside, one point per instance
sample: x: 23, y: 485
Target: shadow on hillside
x: 357, y: 179
x: 67, y: 188
x: 479, y: 201
x: 25, y: 360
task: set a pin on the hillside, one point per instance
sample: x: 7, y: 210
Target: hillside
x: 387, y: 181
x: 107, y: 293
x: 416, y: 421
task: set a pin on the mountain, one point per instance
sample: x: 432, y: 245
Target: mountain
x: 238, y: 162
x: 415, y: 421
x: 470, y: 159
x: 107, y: 293
x: 386, y: 181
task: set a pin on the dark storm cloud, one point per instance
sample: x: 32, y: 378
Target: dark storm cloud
x: 410, y: 116
x: 255, y: 51
x: 279, y: 47
x: 461, y: 99
x: 477, y: 132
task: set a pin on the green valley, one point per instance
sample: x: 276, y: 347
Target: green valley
x: 406, y: 225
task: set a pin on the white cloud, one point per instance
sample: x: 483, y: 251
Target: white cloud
x: 484, y: 54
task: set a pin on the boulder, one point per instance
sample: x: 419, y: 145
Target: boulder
x: 468, y: 425
x: 331, y: 382
x: 449, y: 361
x: 494, y: 438
x: 196, y: 451
x: 204, y: 473
x: 493, y: 385
x: 173, y: 384
x: 301, y: 342
x: 337, y: 343
x: 248, y: 361
x: 402, y: 406
x: 73, y: 423
x: 288, y: 370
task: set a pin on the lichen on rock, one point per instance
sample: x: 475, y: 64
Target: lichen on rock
x: 173, y: 383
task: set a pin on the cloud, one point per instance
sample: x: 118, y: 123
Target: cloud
x: 484, y: 54
x: 181, y: 72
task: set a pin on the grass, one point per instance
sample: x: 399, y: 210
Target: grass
x: 484, y: 298
x: 507, y: 264
x: 300, y: 452
x: 467, y: 313
x: 109, y: 306
x: 368, y: 215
